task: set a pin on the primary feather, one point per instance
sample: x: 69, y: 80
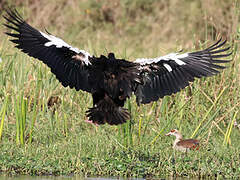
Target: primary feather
x: 110, y: 80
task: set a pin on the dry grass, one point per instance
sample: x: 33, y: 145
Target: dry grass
x: 147, y: 24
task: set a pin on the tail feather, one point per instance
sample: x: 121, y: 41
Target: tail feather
x: 106, y: 111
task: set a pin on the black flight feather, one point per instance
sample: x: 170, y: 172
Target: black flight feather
x: 110, y: 80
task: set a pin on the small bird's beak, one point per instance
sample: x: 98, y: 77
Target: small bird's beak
x: 168, y: 134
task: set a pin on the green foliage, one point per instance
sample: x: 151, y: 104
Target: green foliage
x: 39, y: 139
x: 20, y: 108
x: 3, y: 114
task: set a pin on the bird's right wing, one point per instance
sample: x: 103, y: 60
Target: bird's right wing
x: 169, y: 74
x: 69, y: 64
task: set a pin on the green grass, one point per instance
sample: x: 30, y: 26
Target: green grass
x: 38, y: 140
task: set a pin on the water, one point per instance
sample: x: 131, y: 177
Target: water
x: 61, y: 178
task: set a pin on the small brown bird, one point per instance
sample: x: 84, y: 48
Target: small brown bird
x: 181, y: 144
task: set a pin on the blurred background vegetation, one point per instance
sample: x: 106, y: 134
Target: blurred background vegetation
x: 142, y: 25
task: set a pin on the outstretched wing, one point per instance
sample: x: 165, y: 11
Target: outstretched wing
x: 169, y: 74
x: 69, y: 64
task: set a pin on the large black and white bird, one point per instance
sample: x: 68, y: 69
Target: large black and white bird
x: 110, y: 80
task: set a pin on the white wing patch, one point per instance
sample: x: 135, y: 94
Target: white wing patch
x: 172, y: 56
x: 168, y: 67
x: 59, y: 43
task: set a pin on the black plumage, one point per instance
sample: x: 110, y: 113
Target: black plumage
x: 110, y: 80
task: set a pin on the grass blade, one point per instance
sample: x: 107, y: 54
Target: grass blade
x: 179, y: 110
x: 208, y: 112
x: 229, y: 130
x: 2, y: 114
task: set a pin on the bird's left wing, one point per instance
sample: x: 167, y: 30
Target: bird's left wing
x: 169, y: 74
x: 69, y: 64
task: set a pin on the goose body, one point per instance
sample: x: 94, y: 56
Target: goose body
x: 111, y: 80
